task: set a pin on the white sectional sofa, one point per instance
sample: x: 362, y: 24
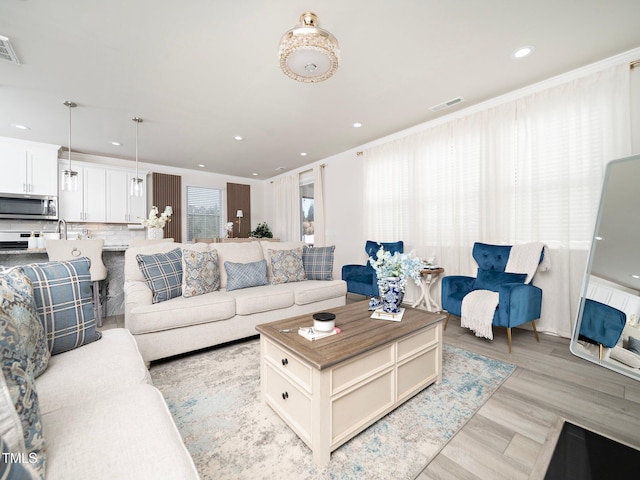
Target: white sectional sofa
x: 182, y: 324
x: 76, y: 403
x: 103, y: 419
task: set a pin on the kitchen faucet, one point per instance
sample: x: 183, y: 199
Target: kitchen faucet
x: 64, y: 233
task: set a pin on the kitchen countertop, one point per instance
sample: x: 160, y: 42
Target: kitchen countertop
x: 14, y: 251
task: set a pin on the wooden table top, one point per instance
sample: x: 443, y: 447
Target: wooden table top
x: 358, y: 333
x: 432, y: 271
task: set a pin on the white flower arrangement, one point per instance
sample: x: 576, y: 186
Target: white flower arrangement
x: 155, y: 221
x: 229, y: 228
x: 399, y: 265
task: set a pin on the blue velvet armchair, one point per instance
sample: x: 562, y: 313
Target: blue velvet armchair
x: 518, y: 302
x: 362, y: 279
x: 601, y: 324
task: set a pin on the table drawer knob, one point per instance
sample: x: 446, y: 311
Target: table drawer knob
x: 285, y: 362
x: 285, y: 395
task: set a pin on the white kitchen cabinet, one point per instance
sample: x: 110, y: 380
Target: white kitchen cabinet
x: 30, y: 168
x: 88, y: 203
x: 102, y: 196
x: 121, y: 206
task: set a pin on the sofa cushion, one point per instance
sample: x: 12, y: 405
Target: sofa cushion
x: 181, y: 312
x: 88, y: 372
x: 200, y: 272
x: 18, y: 392
x: 286, y: 265
x: 318, y: 262
x: 163, y: 273
x: 263, y: 298
x: 16, y: 300
x: 245, y: 275
x: 128, y: 433
x: 318, y: 290
x: 625, y: 356
x: 245, y: 252
x: 62, y: 291
x: 492, y: 279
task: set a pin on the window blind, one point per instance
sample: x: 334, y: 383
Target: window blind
x: 204, y: 213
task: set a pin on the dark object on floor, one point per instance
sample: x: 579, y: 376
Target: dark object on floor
x: 584, y: 455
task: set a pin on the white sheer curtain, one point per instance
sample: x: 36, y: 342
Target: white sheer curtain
x: 286, y: 197
x: 527, y: 170
x: 319, y: 239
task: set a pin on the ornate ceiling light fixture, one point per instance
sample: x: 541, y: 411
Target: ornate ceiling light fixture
x: 307, y: 53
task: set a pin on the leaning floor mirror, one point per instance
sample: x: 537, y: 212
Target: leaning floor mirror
x: 607, y: 328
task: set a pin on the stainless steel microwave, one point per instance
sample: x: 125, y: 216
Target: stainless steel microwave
x: 28, y: 207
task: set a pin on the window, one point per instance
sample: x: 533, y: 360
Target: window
x: 306, y: 205
x: 204, y: 213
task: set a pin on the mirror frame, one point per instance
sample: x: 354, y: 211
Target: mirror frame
x: 588, y: 276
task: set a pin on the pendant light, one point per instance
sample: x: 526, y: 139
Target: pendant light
x: 69, y: 178
x: 136, y: 182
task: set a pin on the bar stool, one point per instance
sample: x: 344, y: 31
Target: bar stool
x: 92, y: 249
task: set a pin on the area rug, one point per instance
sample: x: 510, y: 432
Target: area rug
x: 214, y: 397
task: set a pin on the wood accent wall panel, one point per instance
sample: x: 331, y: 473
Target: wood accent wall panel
x: 239, y: 198
x: 167, y: 190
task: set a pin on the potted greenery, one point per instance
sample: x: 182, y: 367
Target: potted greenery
x: 261, y: 231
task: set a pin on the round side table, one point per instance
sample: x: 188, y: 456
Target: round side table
x: 428, y: 276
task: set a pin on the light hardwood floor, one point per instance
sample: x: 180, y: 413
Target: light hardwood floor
x: 513, y: 435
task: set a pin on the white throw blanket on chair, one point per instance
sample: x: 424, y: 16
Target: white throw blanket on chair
x: 479, y: 306
x: 526, y: 259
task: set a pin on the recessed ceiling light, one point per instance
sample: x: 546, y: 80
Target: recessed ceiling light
x: 279, y: 169
x: 523, y: 52
x: 357, y: 125
x: 116, y: 144
x: 303, y: 154
x: 599, y: 238
x: 201, y: 165
x: 254, y: 174
x: 238, y: 137
x: 636, y: 276
x: 21, y: 127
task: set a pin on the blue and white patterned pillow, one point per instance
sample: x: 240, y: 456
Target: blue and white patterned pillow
x: 200, y: 272
x: 318, y: 262
x: 245, y: 275
x: 163, y: 274
x: 12, y: 470
x: 62, y: 291
x: 17, y: 300
x: 287, y: 265
x: 18, y: 389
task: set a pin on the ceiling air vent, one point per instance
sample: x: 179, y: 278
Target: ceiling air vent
x: 447, y: 104
x: 6, y: 51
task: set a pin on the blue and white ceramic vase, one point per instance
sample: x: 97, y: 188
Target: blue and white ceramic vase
x: 391, y: 295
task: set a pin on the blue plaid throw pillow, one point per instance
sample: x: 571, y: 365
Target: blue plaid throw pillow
x: 163, y: 274
x: 62, y: 291
x: 245, y: 275
x: 318, y: 262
